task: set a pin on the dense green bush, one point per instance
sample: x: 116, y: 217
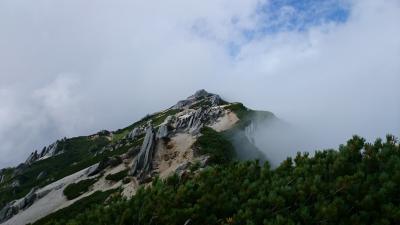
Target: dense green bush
x: 214, y: 144
x: 76, y: 189
x: 117, y: 176
x: 356, y: 185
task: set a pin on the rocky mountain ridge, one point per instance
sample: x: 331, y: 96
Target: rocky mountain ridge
x: 160, y: 144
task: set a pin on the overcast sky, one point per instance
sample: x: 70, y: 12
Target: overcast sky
x: 73, y: 67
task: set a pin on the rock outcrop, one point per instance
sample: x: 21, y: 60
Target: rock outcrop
x: 200, y: 95
x: 164, y: 129
x: 49, y: 151
x: 193, y: 121
x: 142, y: 164
x: 34, y: 156
x: 14, y: 207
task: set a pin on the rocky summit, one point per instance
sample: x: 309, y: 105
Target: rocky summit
x: 156, y: 147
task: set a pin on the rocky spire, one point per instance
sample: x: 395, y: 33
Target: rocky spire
x: 32, y: 157
x: 143, y: 162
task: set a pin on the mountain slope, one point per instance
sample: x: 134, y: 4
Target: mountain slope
x: 356, y: 185
x: 161, y: 144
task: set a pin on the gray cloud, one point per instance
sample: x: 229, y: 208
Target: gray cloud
x: 70, y: 68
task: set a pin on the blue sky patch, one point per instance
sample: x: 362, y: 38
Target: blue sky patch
x: 299, y: 15
x: 277, y: 16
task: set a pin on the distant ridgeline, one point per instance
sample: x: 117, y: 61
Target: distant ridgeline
x: 183, y: 166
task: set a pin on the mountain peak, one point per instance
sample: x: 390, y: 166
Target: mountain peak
x: 199, y: 98
x: 200, y: 93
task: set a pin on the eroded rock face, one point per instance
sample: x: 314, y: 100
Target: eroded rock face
x: 195, y: 120
x: 142, y: 165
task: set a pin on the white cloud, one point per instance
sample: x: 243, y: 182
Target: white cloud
x: 122, y: 59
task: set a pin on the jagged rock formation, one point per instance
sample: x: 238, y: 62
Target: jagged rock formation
x: 200, y: 95
x: 34, y: 156
x: 143, y: 162
x: 194, y: 120
x: 198, y: 110
x: 49, y: 151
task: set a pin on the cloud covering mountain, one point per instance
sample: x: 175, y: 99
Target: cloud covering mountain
x: 69, y: 68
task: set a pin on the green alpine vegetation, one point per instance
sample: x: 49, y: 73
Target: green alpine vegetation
x: 356, y: 184
x: 76, y: 189
x: 215, y: 145
x: 117, y: 176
